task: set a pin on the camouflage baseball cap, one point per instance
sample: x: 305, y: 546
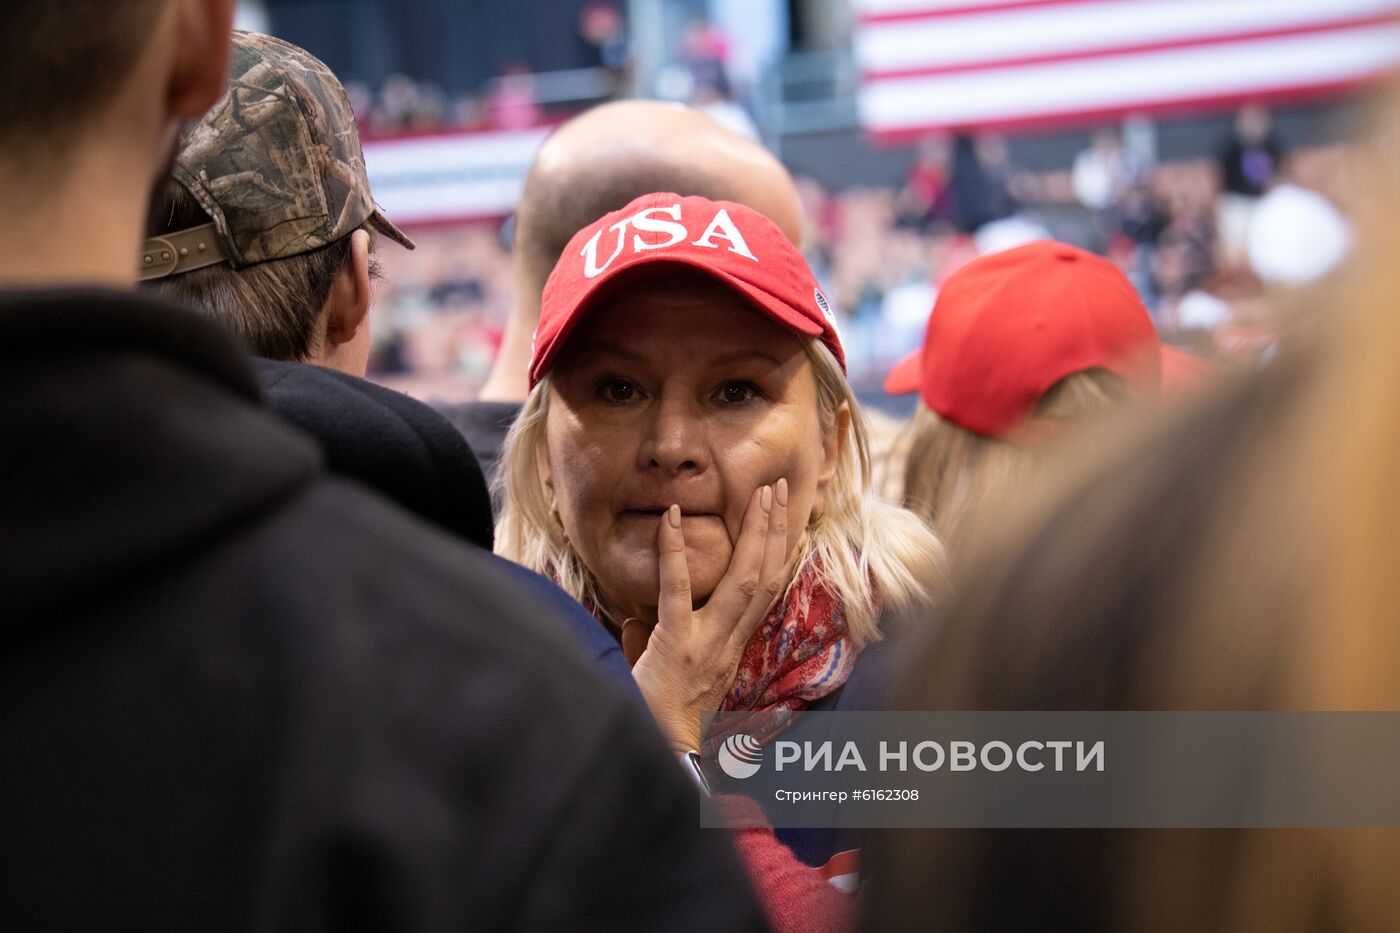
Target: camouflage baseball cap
x: 277, y: 165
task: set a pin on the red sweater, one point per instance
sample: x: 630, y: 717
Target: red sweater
x: 795, y: 897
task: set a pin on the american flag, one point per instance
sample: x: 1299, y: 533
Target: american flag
x: 953, y: 64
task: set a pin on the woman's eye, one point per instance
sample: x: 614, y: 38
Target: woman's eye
x: 737, y: 393
x: 616, y: 390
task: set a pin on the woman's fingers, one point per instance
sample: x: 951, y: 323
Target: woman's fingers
x: 772, y: 577
x: 635, y: 635
x: 775, y: 548
x: 673, y: 604
x: 740, y: 583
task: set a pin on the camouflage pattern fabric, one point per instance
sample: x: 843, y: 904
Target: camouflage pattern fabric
x: 277, y: 163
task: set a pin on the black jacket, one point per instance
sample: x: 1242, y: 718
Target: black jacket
x: 485, y: 426
x: 236, y: 694
x: 396, y: 445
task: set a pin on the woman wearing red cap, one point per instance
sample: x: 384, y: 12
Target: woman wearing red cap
x: 1022, y: 346
x: 691, y: 464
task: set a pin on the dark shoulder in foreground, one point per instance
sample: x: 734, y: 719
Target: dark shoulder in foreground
x: 238, y: 694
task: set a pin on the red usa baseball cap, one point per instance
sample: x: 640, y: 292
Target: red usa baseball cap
x: 732, y: 243
x: 1006, y: 327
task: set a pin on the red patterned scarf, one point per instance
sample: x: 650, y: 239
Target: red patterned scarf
x: 800, y: 652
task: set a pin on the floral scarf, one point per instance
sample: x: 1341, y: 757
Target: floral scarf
x: 800, y: 652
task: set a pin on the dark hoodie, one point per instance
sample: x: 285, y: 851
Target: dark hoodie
x: 238, y: 694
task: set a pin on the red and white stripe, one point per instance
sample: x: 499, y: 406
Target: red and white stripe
x: 930, y: 64
x: 451, y: 178
x: 842, y: 871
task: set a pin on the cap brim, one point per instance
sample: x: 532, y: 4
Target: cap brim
x: 1183, y: 371
x: 381, y: 223
x: 904, y: 377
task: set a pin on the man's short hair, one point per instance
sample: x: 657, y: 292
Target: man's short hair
x: 273, y: 305
x: 61, y: 63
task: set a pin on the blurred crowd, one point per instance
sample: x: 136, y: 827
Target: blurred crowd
x: 701, y: 75
x: 1201, y: 240
x: 405, y: 105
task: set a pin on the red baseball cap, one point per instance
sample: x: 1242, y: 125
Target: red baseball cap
x: 729, y: 242
x: 1184, y: 372
x: 1006, y: 327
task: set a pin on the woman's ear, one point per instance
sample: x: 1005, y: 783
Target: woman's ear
x: 546, y: 475
x: 834, y: 441
x: 543, y: 468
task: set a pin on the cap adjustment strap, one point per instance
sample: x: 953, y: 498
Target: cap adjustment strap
x: 180, y: 252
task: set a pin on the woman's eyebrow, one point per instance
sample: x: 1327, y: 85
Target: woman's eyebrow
x: 740, y: 356
x: 592, y: 348
x: 588, y: 348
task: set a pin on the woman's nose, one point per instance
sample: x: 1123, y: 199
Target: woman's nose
x: 674, y: 442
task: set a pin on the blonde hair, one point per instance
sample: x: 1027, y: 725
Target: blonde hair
x: 874, y: 556
x: 952, y: 474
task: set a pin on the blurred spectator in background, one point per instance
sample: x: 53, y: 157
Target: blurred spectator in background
x: 406, y: 105
x: 1101, y: 173
x: 1023, y: 348
x: 1249, y: 163
x: 926, y: 198
x: 1253, y: 157
x: 450, y: 298
x: 980, y: 182
x: 511, y: 104
x: 1184, y: 259
x: 1139, y: 218
x: 705, y: 52
x: 603, y: 30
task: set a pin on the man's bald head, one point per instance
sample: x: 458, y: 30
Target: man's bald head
x: 604, y: 159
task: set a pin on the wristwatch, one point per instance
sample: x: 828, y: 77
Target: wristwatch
x: 690, y: 761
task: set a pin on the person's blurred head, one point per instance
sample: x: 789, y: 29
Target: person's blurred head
x: 599, y: 23
x: 94, y: 91
x: 686, y: 355
x: 267, y: 222
x: 1108, y: 140
x: 601, y: 161
x: 1022, y: 347
x: 1252, y: 124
